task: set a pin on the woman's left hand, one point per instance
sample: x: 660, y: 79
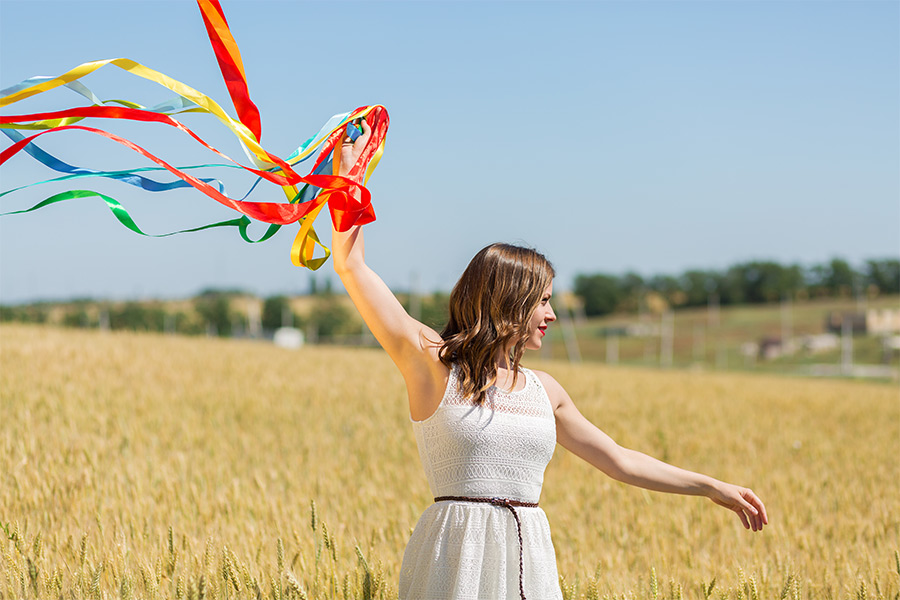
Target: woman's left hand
x: 744, y: 502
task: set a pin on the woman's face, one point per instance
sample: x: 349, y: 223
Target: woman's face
x: 543, y: 315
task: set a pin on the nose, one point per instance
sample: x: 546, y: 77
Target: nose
x: 551, y: 316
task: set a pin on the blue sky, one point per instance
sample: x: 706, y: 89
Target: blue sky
x: 613, y: 136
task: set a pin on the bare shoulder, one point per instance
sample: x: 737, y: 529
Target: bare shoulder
x: 555, y: 391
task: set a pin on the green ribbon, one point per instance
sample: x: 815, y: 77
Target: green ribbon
x: 242, y: 223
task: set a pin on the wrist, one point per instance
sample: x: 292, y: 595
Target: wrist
x: 709, y: 487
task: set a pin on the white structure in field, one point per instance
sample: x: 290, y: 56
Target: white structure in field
x: 882, y: 321
x: 288, y: 337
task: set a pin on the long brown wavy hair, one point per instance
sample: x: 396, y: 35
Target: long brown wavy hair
x: 490, y: 307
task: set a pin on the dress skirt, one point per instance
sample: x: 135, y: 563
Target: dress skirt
x: 469, y: 551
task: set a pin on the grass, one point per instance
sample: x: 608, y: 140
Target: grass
x: 149, y: 466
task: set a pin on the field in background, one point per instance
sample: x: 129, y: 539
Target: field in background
x: 726, y: 339
x: 706, y: 340
x: 151, y: 466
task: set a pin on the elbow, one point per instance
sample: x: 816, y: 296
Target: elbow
x: 620, y: 465
x: 346, y: 267
x: 340, y: 266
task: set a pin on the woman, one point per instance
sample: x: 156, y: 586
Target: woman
x: 486, y: 427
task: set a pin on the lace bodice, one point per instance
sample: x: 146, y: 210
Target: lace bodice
x: 497, y: 449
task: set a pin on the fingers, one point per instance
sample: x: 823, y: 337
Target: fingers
x: 756, y: 509
x: 753, y: 509
x: 754, y: 499
x: 362, y: 138
x: 746, y: 504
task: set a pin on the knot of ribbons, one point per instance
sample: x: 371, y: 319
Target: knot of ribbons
x: 348, y: 199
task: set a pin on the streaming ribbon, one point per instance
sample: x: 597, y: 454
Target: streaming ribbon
x: 348, y: 200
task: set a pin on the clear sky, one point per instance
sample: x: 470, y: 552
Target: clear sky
x: 612, y: 136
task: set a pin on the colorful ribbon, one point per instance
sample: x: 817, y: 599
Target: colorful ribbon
x: 348, y: 199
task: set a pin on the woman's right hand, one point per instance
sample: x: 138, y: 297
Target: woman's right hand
x: 352, y: 149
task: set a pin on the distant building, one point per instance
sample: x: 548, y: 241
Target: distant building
x: 874, y: 321
x: 883, y: 321
x: 834, y: 322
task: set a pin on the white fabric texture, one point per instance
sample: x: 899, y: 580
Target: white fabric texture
x: 470, y: 551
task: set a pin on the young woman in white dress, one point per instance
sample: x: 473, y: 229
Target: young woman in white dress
x: 486, y: 427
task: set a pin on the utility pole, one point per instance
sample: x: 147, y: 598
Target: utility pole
x: 254, y: 318
x: 713, y: 324
x: 699, y: 344
x: 787, y: 324
x: 415, y: 300
x: 612, y: 350
x: 847, y: 344
x: 712, y: 311
x: 645, y: 320
x: 169, y: 323
x: 666, y: 338
x: 568, y: 331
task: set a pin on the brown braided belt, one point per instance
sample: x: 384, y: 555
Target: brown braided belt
x: 509, y: 505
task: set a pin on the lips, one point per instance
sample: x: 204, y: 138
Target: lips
x: 543, y: 330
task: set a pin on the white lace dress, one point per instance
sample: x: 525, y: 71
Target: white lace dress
x: 465, y: 550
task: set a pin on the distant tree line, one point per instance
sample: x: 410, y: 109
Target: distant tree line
x: 212, y: 312
x: 752, y: 282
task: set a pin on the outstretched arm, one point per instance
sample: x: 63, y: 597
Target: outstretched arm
x: 578, y: 435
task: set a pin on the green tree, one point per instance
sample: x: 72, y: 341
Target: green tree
x: 840, y: 279
x: 631, y: 291
x: 215, y: 310
x: 600, y: 293
x: 697, y: 286
x: 76, y: 317
x: 275, y: 308
x: 29, y: 313
x: 884, y: 275
x: 729, y: 286
x: 329, y: 316
x: 767, y: 281
x: 668, y: 287
x: 137, y: 317
x: 436, y: 310
x: 816, y: 278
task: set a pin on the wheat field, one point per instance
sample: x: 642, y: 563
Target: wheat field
x: 149, y: 466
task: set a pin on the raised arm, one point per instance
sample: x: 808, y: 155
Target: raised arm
x: 578, y: 435
x: 409, y: 343
x: 398, y: 333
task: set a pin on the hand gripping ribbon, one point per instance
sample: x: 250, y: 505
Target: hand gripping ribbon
x: 348, y: 200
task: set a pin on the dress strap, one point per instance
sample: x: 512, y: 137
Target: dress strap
x: 509, y: 505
